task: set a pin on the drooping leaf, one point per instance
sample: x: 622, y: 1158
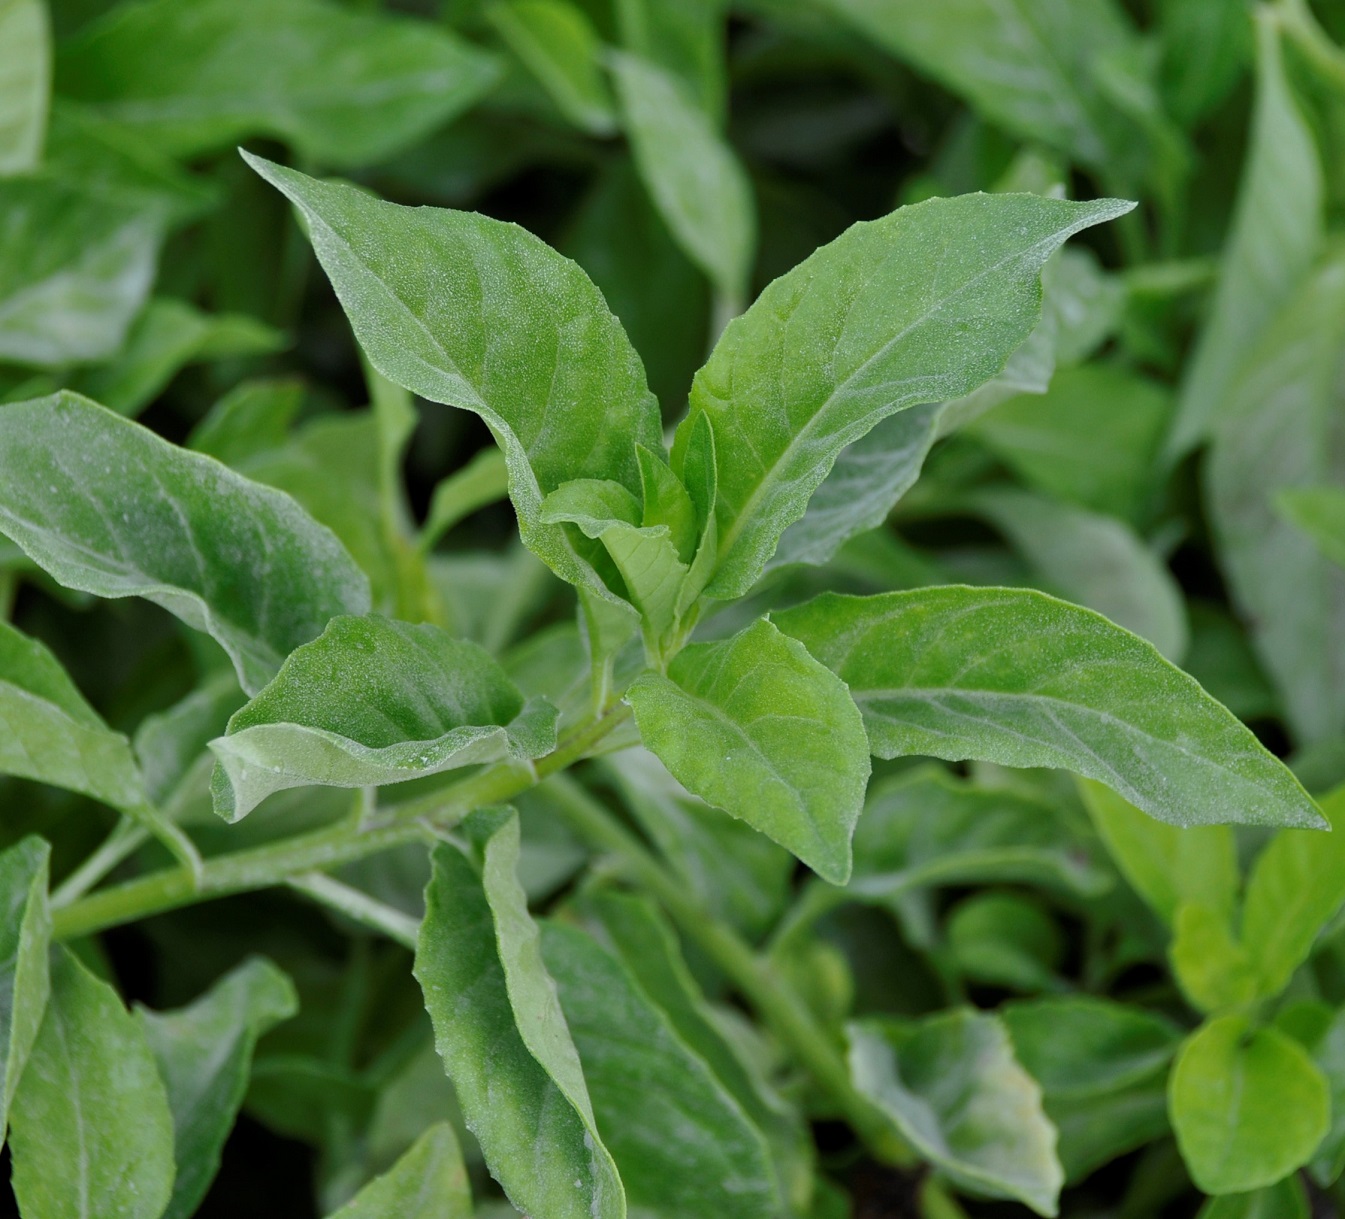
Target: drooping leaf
x: 683, y: 1145
x: 25, y: 934
x: 1276, y: 430
x: 204, y: 1053
x: 374, y: 701
x: 556, y: 43
x: 920, y: 306
x: 502, y: 1035
x: 1019, y: 678
x: 1168, y: 866
x: 489, y: 319
x: 25, y: 83
x: 1248, y: 1106
x: 755, y: 726
x: 74, y: 270
x: 1274, y: 237
x: 694, y: 177
x: 953, y: 1087
x: 106, y: 506
x: 341, y: 86
x: 90, y: 1129
x: 428, y: 1182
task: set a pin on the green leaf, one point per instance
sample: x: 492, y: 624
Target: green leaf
x: 428, y: 1182
x: 373, y: 701
x: 25, y: 83
x: 343, y: 87
x: 953, y: 1087
x: 1032, y: 67
x: 1322, y: 1033
x: 920, y: 306
x: 1320, y: 513
x: 1004, y: 939
x: 1210, y: 964
x: 171, y: 744
x: 755, y: 726
x: 482, y: 481
x: 1295, y: 888
x: 1284, y: 1200
x: 204, y: 1053
x: 1166, y: 865
x: 556, y: 43
x: 693, y: 176
x: 1248, y: 1105
x: 501, y: 1033
x: 1019, y: 678
x: 683, y: 1145
x: 489, y: 319
x: 1276, y: 232
x: 1090, y: 439
x: 686, y: 39
x: 74, y: 270
x: 25, y: 933
x: 1277, y: 430
x: 90, y: 1129
x: 1207, y: 45
x: 165, y: 338
x: 105, y: 506
x: 252, y: 418
x: 1095, y: 561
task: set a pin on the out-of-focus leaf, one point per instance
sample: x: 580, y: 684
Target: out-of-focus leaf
x: 1321, y: 1030
x: 1220, y: 658
x: 1206, y: 45
x: 686, y: 39
x: 1003, y: 939
x: 428, y: 1182
x: 1286, y: 1199
x: 1320, y: 513
x: 25, y: 936
x: 25, y: 83
x: 251, y: 419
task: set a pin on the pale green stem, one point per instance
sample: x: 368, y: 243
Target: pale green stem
x: 126, y: 836
x: 358, y: 907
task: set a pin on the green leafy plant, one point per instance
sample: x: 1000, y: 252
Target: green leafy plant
x: 762, y: 691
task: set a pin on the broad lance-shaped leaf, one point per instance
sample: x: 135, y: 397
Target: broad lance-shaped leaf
x: 25, y: 83
x: 920, y: 306
x: 374, y: 701
x: 684, y: 1146
x: 1274, y: 238
x: 106, y: 506
x: 1019, y: 678
x: 90, y: 1129
x: 25, y: 934
x: 755, y: 726
x: 342, y: 87
x: 1278, y: 429
x: 500, y: 1031
x: 204, y: 1054
x: 1248, y: 1105
x: 489, y: 318
x: 694, y: 177
x: 428, y: 1182
x: 953, y: 1087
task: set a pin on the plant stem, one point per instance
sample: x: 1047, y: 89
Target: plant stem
x: 755, y: 978
x: 125, y: 837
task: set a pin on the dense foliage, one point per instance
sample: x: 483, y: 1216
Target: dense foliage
x: 718, y: 668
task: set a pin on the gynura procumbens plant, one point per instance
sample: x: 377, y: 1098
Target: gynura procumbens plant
x: 583, y: 1055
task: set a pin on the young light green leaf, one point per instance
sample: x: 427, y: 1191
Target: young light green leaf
x: 500, y: 1031
x: 1093, y: 560
x: 1285, y: 1199
x: 344, y: 87
x: 204, y: 1053
x: 1320, y: 513
x: 482, y: 481
x: 252, y: 418
x: 556, y: 43
x: 1248, y: 1105
x: 1295, y: 888
x: 920, y: 306
x: 428, y: 1182
x: 1276, y: 429
x: 1019, y: 678
x: 25, y: 934
x: 25, y: 83
x: 166, y: 337
x: 1166, y: 865
x: 74, y: 270
x: 694, y: 177
x: 684, y: 1146
x: 953, y: 1087
x: 90, y: 1129
x: 755, y: 726
x: 374, y: 701
x: 106, y: 506
x: 1320, y: 1029
x: 1273, y: 241
x: 489, y: 319
x: 1213, y: 969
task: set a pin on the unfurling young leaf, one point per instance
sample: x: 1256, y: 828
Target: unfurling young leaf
x: 500, y: 1031
x: 374, y: 701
